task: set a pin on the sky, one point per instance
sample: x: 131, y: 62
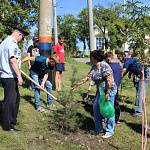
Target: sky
x: 64, y: 7
x: 75, y: 6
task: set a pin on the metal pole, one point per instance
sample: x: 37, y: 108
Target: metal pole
x: 55, y: 22
x: 91, y: 30
x: 124, y: 2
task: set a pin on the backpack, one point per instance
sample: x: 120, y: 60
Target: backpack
x: 135, y: 67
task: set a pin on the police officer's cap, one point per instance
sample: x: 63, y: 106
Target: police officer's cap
x: 23, y: 32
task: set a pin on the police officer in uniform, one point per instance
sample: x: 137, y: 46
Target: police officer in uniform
x: 10, y: 56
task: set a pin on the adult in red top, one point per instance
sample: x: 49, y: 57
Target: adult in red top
x: 60, y: 67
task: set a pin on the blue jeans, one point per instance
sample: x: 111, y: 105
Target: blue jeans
x: 98, y: 117
x: 139, y: 97
x: 37, y: 90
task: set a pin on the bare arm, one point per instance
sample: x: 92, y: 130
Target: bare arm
x: 29, y: 64
x: 27, y: 58
x: 124, y: 72
x: 55, y: 58
x: 44, y: 80
x: 15, y: 67
x: 109, y: 80
x: 82, y: 81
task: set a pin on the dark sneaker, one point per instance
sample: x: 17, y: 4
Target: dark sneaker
x: 96, y: 133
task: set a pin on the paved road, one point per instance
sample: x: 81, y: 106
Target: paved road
x: 83, y: 60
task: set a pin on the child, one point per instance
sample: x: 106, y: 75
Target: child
x: 39, y: 73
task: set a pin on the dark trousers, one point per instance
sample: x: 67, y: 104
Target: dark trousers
x: 10, y: 104
x: 117, y: 108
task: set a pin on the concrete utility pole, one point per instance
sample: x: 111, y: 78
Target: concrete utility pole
x: 55, y: 22
x: 45, y: 32
x: 91, y: 30
x: 124, y: 2
x: 45, y: 26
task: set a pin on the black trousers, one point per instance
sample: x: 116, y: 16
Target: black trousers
x: 117, y: 108
x: 11, y: 102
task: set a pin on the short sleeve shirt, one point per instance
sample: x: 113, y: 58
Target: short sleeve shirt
x: 59, y: 50
x: 99, y: 74
x: 8, y: 49
x: 116, y: 68
x: 127, y: 63
x: 40, y: 66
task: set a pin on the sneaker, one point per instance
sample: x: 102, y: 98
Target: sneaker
x: 117, y: 122
x: 51, y: 107
x: 107, y: 135
x: 92, y: 132
x: 40, y: 109
x: 137, y: 114
x: 14, y: 129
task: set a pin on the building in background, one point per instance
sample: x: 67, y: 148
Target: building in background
x: 99, y: 39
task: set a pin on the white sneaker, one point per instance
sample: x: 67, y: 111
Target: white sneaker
x: 40, y: 109
x: 107, y: 135
x: 51, y: 107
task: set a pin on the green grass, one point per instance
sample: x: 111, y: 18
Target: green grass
x: 39, y: 133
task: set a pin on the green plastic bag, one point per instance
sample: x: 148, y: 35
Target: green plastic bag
x: 106, y: 107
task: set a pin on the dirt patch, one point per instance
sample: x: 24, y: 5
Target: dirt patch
x: 91, y: 142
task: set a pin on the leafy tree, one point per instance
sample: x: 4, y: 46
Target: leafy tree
x: 83, y: 27
x: 67, y: 27
x: 17, y: 13
x: 138, y: 24
x: 109, y: 22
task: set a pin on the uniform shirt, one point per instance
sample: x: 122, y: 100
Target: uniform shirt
x: 8, y: 49
x: 59, y: 50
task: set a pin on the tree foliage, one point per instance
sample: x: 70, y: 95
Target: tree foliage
x: 67, y: 26
x: 17, y: 13
x: 138, y: 24
x: 105, y: 20
x: 117, y: 24
x: 83, y: 27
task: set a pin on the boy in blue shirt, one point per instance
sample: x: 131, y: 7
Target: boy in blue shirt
x: 39, y: 73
